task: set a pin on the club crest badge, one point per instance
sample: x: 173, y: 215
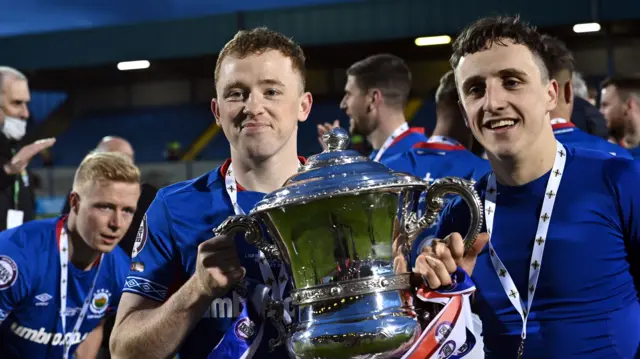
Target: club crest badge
x: 100, y: 302
x: 8, y: 272
x: 442, y: 331
x: 141, y: 237
x: 245, y: 329
x: 447, y: 350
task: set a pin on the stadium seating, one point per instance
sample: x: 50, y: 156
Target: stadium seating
x: 152, y: 128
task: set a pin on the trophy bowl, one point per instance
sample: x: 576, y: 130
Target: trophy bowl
x: 343, y: 226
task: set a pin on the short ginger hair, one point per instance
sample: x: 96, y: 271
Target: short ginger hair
x: 105, y: 167
x: 260, y: 40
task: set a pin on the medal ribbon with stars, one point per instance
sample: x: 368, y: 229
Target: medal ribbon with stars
x: 540, y: 239
x: 63, y: 246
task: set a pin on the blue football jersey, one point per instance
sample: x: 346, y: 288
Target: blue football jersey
x: 585, y: 303
x: 635, y: 152
x: 567, y: 133
x: 402, y: 143
x: 437, y: 159
x: 182, y: 216
x: 433, y: 160
x: 30, y: 274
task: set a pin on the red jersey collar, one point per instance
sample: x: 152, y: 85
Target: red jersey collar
x: 418, y: 130
x: 439, y: 146
x: 62, y: 223
x: 561, y: 125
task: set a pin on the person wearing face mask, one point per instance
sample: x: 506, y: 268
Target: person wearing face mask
x: 17, y: 201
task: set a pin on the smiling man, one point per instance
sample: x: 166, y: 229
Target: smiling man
x: 181, y: 294
x: 59, y: 277
x: 578, y: 207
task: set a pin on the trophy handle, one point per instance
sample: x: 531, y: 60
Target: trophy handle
x: 253, y: 234
x: 435, y: 193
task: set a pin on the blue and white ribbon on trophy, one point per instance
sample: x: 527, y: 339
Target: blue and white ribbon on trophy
x: 450, y: 334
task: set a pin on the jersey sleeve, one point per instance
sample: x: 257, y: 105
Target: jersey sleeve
x: 15, y: 271
x: 399, y: 162
x: 155, y: 260
x: 454, y: 217
x: 621, y: 152
x: 624, y: 177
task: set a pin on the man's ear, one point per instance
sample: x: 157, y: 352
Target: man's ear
x: 568, y: 92
x: 215, y: 109
x: 552, y: 93
x: 74, y: 202
x: 464, y: 114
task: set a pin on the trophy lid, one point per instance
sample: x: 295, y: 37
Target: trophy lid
x: 336, y: 171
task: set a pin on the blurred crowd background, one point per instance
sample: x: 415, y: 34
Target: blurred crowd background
x: 143, y: 70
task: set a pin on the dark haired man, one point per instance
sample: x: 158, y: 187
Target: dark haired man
x: 562, y: 68
x: 180, y: 295
x: 578, y: 207
x: 620, y: 105
x: 376, y: 93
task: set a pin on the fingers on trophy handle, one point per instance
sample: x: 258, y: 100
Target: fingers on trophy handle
x: 435, y: 202
x: 253, y: 233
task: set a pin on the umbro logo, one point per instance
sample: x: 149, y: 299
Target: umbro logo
x: 42, y: 300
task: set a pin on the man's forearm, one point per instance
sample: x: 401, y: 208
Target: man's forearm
x: 158, y: 333
x: 90, y: 347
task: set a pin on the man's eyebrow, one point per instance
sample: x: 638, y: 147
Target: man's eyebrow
x: 231, y: 85
x: 471, y: 80
x: 508, y: 72
x: 266, y: 81
x: 271, y: 82
x: 512, y: 72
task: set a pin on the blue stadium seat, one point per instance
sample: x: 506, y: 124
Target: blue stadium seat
x: 149, y: 130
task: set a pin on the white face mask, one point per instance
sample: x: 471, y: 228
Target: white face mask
x: 14, y: 128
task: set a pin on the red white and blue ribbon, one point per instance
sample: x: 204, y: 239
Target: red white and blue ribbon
x: 450, y: 333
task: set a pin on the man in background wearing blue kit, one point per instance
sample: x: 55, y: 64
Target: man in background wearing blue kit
x: 60, y: 276
x: 375, y: 96
x: 561, y: 68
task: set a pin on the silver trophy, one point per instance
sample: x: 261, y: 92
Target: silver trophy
x: 343, y: 227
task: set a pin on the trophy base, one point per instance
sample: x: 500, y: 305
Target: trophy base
x: 377, y: 325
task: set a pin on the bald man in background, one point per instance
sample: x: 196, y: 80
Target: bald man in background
x: 147, y: 194
x: 116, y: 144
